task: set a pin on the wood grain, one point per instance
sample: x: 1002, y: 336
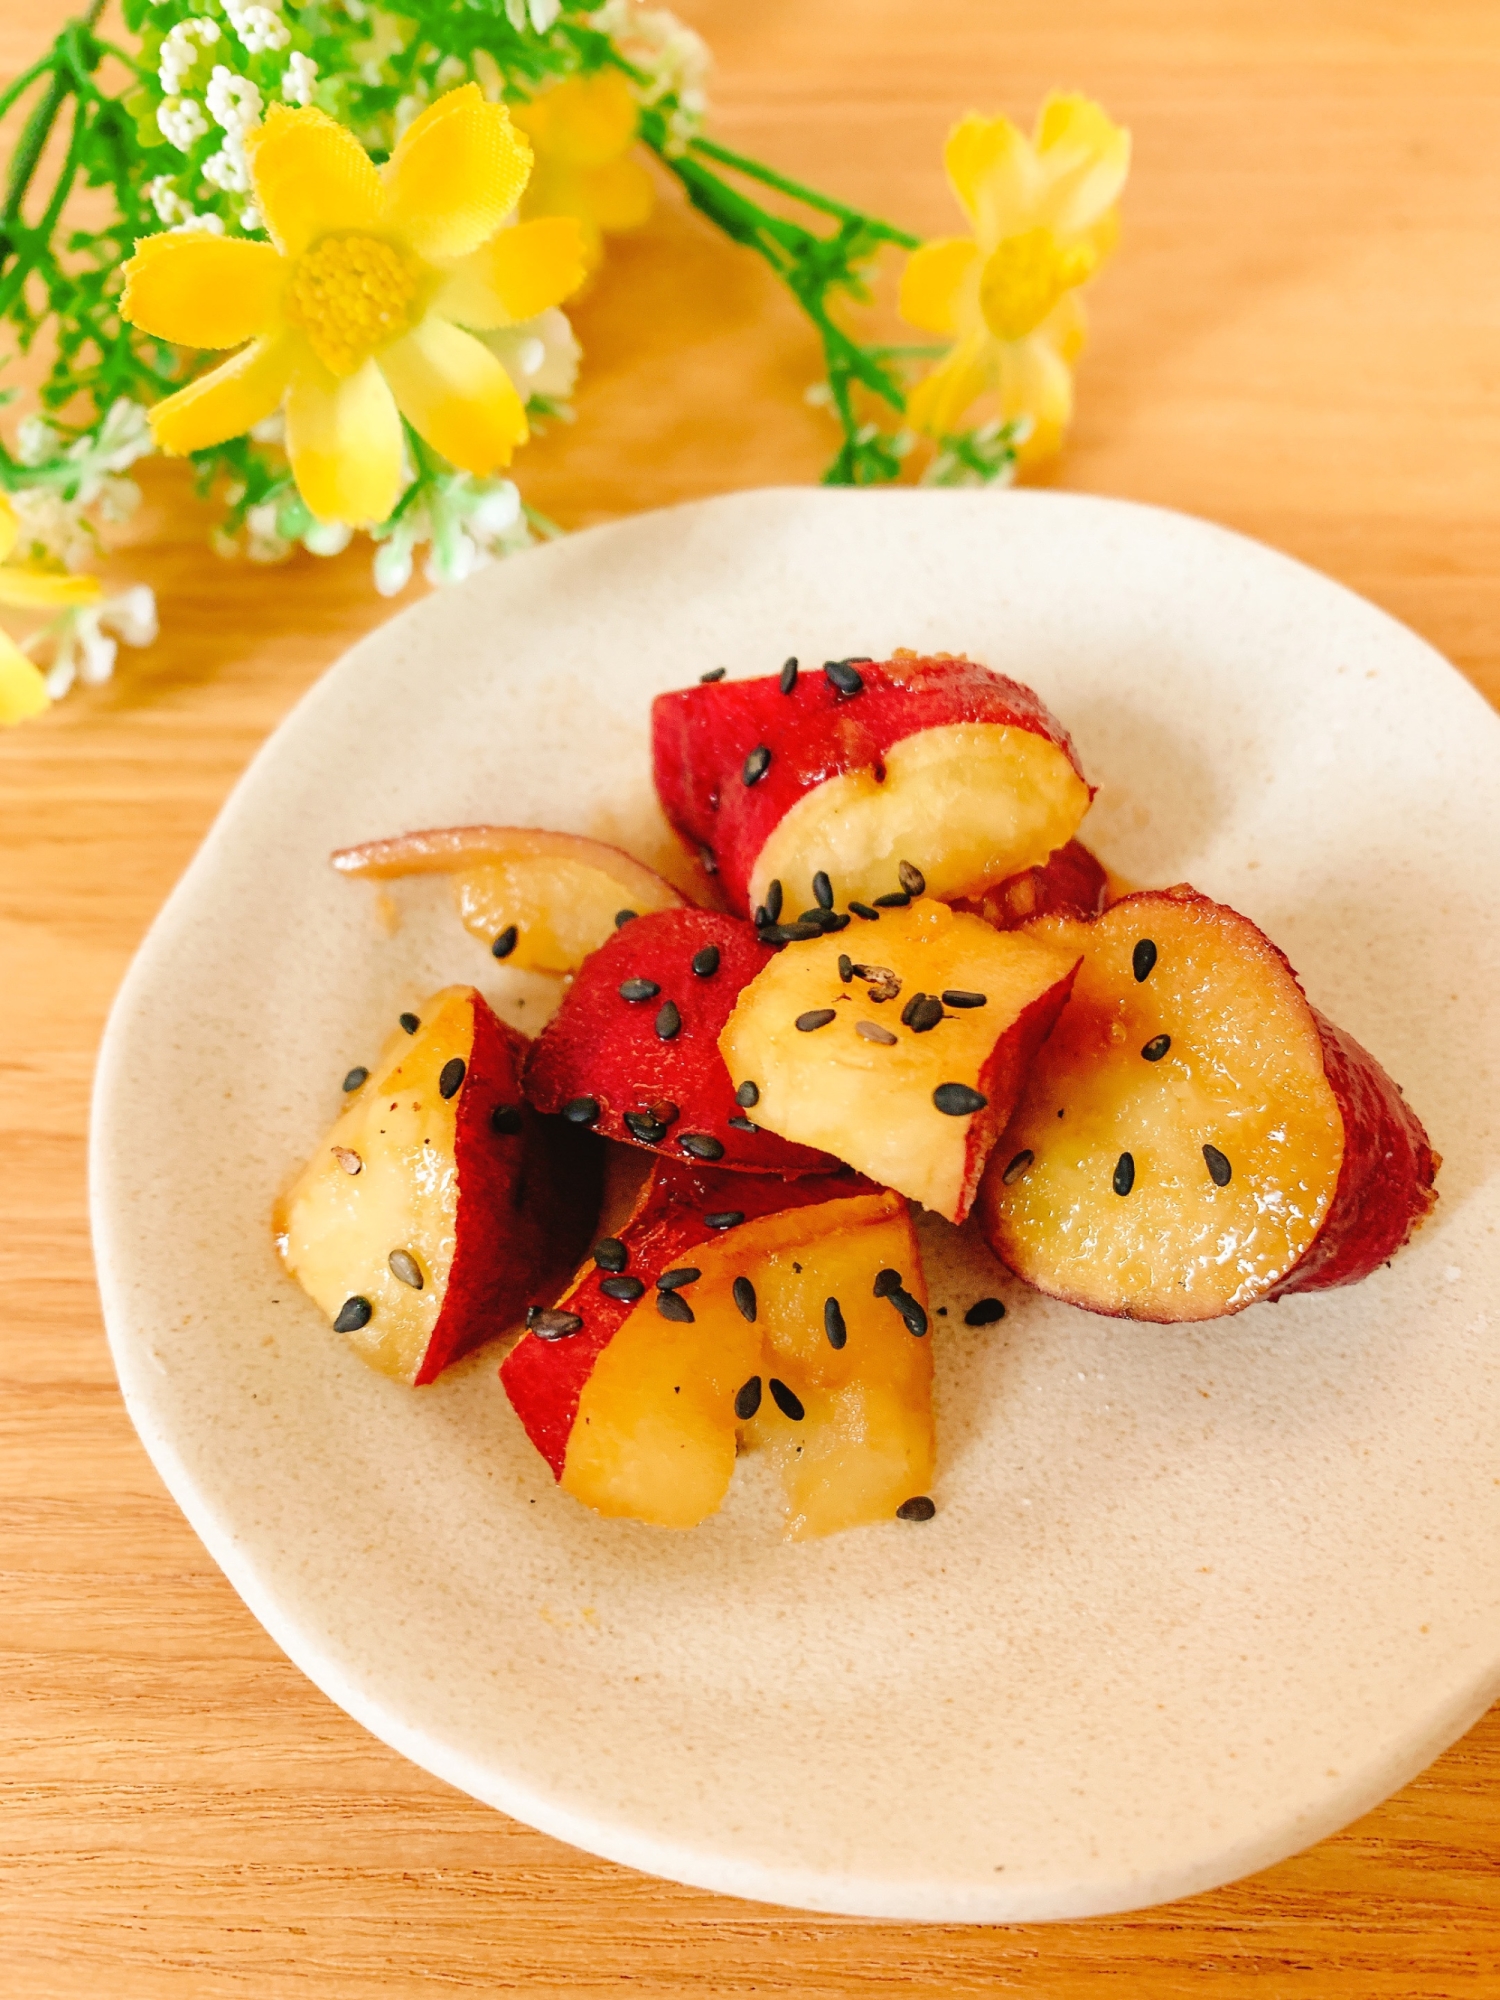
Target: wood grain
x: 1300, y: 337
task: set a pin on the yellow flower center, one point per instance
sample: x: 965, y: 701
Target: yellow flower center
x: 352, y: 295
x: 1025, y: 276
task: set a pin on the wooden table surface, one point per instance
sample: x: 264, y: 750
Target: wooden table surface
x: 1300, y: 337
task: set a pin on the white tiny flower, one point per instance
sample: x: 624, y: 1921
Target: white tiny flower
x: 258, y: 26
x: 298, y: 78
x: 228, y: 168
x: 270, y: 430
x: 164, y: 198
x: 452, y: 559
x: 180, y: 50
x: 36, y: 441
x: 265, y: 542
x: 214, y: 224
x: 132, y: 614
x: 233, y: 101
x: 181, y: 122
x: 393, y: 564
x: 497, y: 512
x: 328, y: 538
x: 251, y: 219
x: 407, y: 108
x: 540, y: 355
x: 544, y: 13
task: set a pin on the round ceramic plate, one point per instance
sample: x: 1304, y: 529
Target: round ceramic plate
x: 1194, y: 1596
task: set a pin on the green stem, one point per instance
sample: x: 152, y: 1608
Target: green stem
x: 754, y: 170
x: 65, y: 60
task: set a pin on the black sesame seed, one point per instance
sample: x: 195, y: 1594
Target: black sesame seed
x: 451, y: 1077
x: 664, y: 1109
x: 668, y: 1020
x: 706, y: 858
x: 955, y: 996
x: 626, y: 1288
x: 701, y: 1145
x: 1124, y: 1176
x: 1018, y: 1165
x: 748, y: 1095
x: 897, y: 900
x: 706, y: 962
x: 672, y: 1305
x: 756, y: 764
x: 582, y: 1111
x: 835, y: 920
x: 642, y: 1126
x: 790, y: 1405
x: 925, y: 1013
x: 788, y: 676
x: 553, y: 1325
x: 843, y: 677
x: 798, y: 933
x: 638, y: 989
x: 1157, y: 1047
x: 506, y: 1120
x: 713, y: 674
x: 912, y: 1004
x: 773, y: 901
x: 762, y: 917
x: 815, y: 1017
x: 958, y: 1099
x: 911, y: 878
x: 863, y: 910
x: 353, y: 1314
x: 910, y: 1309
x: 816, y: 915
x: 623, y: 917
x: 405, y: 1269
x: 833, y: 1323
x: 886, y: 1282
x: 747, y: 1401
x: 610, y: 1254
x: 355, y: 1077
x: 1142, y: 959
x: 1219, y: 1169
x: 505, y: 944
x: 822, y: 890
x: 918, y: 1508
x: 725, y: 1218
x: 984, y: 1312
x: 742, y: 1124
x: 685, y: 1274
x: 411, y: 1022
x: 846, y: 967
x: 744, y: 1297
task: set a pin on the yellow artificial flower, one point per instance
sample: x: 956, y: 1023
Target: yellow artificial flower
x: 1044, y: 218
x: 354, y: 312
x: 23, y: 690
x: 583, y: 131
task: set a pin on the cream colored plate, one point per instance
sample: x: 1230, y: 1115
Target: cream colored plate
x: 1192, y: 1597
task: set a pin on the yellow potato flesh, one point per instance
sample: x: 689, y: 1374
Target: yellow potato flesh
x: 335, y: 1230
x: 968, y: 803
x: 656, y: 1434
x: 1244, y: 1074
x: 868, y: 1103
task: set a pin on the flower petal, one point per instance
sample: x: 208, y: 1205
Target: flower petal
x: 10, y: 527
x: 343, y: 436
x: 201, y: 290
x: 940, y: 399
x: 620, y: 194
x: 452, y: 390
x: 994, y: 172
x: 455, y: 175
x: 519, y: 273
x: 228, y: 399
x: 1084, y: 156
x: 311, y: 176
x: 23, y: 688
x: 586, y: 121
x: 39, y: 589
x: 931, y: 282
x: 1036, y: 382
